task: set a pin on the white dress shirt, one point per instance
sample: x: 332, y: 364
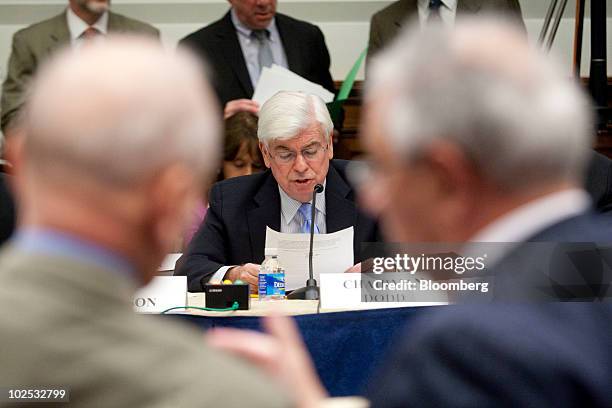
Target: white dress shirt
x: 77, y: 27
x: 292, y: 220
x: 250, y: 47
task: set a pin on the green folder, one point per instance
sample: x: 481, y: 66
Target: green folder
x: 335, y: 107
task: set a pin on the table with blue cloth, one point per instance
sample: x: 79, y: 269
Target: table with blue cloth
x: 346, y: 347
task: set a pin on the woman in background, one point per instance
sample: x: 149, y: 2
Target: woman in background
x: 241, y: 154
x: 241, y: 157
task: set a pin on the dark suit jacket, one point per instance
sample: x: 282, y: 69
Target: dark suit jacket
x: 234, y: 229
x: 34, y: 44
x: 599, y: 182
x: 7, y: 210
x: 388, y: 22
x: 507, y: 354
x: 218, y: 45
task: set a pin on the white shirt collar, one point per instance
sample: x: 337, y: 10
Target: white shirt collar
x: 449, y: 4
x: 528, y: 219
x: 76, y: 26
x: 290, y: 207
x: 510, y: 230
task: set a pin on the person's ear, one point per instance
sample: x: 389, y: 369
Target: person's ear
x: 265, y: 154
x: 330, y: 146
x: 14, y: 152
x: 450, y: 167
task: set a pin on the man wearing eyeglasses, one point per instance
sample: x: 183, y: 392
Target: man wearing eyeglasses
x: 295, y: 139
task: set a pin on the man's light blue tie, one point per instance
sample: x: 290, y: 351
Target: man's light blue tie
x: 306, y: 211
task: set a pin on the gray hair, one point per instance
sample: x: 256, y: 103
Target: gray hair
x: 119, y: 110
x: 287, y: 114
x: 481, y: 87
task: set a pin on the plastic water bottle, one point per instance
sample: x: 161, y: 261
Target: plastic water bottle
x: 271, y: 277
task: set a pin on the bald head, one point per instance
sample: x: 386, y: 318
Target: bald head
x: 119, y: 137
x: 118, y: 111
x: 475, y: 122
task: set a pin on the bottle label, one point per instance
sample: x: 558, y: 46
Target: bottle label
x: 271, y: 285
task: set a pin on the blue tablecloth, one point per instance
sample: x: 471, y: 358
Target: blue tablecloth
x: 346, y: 347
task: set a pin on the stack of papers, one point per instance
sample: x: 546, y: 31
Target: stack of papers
x: 332, y: 253
x: 277, y: 78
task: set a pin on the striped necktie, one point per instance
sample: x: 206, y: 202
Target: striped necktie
x: 264, y: 57
x: 306, y: 211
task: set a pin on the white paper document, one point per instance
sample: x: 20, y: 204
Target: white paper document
x: 277, y: 78
x: 169, y: 262
x: 332, y: 253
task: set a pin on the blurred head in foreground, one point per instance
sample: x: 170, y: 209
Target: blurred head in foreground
x: 461, y: 132
x: 121, y: 137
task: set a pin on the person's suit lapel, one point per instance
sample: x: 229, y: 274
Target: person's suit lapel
x: 114, y: 24
x: 59, y: 35
x: 289, y: 36
x: 410, y: 8
x: 340, y: 211
x: 230, y: 48
x: 267, y: 212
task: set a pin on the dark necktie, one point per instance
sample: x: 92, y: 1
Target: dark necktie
x: 264, y: 58
x: 434, y: 11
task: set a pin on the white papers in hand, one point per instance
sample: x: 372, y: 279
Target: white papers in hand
x: 277, y: 78
x: 332, y: 253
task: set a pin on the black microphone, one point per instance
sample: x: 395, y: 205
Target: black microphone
x: 311, y: 290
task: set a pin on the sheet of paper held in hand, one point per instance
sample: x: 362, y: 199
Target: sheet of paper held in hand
x: 277, y: 78
x: 332, y: 253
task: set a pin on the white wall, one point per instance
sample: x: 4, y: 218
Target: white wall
x: 345, y: 23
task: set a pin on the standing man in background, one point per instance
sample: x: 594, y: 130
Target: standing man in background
x: 388, y: 22
x: 250, y: 36
x: 81, y: 21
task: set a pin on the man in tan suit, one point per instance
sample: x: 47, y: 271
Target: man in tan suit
x: 119, y: 140
x: 82, y: 20
x: 388, y: 22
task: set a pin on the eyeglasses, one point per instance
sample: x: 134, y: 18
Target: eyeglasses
x: 312, y: 153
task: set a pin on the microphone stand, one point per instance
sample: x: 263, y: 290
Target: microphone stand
x: 311, y: 290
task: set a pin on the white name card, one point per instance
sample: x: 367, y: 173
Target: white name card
x: 343, y: 291
x: 162, y: 293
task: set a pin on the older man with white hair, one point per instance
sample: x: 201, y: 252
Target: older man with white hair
x: 120, y: 139
x: 473, y: 142
x: 295, y: 133
x: 82, y: 21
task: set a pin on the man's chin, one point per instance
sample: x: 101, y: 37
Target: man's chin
x: 302, y: 191
x: 97, y: 7
x: 263, y: 22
